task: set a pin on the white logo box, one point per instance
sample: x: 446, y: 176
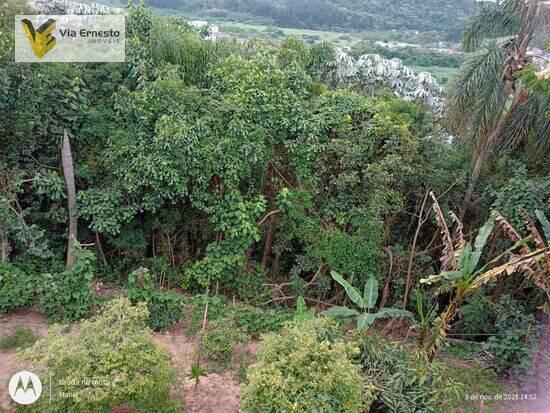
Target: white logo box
x: 78, y: 38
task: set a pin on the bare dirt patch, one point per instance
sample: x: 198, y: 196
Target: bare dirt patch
x: 216, y: 392
x: 9, y: 364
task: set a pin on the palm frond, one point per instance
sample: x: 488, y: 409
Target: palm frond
x: 532, y: 229
x: 541, y: 131
x: 509, y: 231
x: 440, y: 327
x: 520, y: 262
x: 477, y: 87
x: 489, y: 104
x: 491, y: 22
x: 458, y: 234
x: 521, y: 122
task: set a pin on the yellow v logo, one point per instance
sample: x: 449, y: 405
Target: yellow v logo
x: 41, y: 40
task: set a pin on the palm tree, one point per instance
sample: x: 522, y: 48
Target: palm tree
x: 488, y: 104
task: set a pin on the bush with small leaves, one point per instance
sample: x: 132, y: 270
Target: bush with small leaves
x: 103, y: 363
x: 306, y: 369
x: 67, y: 295
x: 16, y: 287
x: 515, y: 341
x: 165, y: 308
x: 219, y: 341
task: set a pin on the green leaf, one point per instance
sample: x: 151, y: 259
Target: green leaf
x: 370, y: 295
x: 479, y: 243
x: 301, y: 307
x: 545, y: 224
x: 339, y: 311
x: 364, y: 321
x: 445, y: 275
x: 352, y: 293
x: 393, y: 312
x: 466, y: 258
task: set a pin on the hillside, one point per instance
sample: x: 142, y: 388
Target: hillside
x: 422, y: 15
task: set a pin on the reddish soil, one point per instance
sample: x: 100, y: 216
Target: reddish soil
x: 9, y: 364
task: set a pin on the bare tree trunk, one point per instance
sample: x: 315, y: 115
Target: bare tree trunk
x: 421, y: 220
x: 4, y: 247
x: 268, y: 242
x: 386, y: 290
x: 68, y: 172
x: 476, y: 172
x: 269, y: 235
x: 98, y: 240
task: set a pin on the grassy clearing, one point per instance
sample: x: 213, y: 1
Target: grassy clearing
x: 443, y: 74
x: 22, y: 337
x: 474, y: 380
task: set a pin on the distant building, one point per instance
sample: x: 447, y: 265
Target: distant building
x: 214, y: 31
x: 539, y: 57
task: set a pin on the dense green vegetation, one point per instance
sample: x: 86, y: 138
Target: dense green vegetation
x: 228, y: 192
x: 411, y: 56
x: 422, y: 15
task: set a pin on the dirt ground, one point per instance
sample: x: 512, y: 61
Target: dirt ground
x: 8, y: 358
x: 218, y: 392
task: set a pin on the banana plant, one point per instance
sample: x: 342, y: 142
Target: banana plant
x: 302, y: 311
x: 461, y: 266
x: 365, y: 303
x: 426, y: 316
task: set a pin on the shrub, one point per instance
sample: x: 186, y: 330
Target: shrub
x: 404, y: 382
x: 165, y: 308
x: 217, y: 307
x: 219, y: 341
x: 477, y: 316
x: 67, y: 295
x: 254, y: 320
x: 303, y: 371
x: 103, y: 363
x: 16, y: 288
x: 515, y: 342
x: 22, y: 337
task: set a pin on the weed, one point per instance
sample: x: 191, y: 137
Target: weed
x: 22, y: 337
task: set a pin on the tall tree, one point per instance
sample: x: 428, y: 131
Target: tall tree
x: 68, y: 172
x: 488, y: 103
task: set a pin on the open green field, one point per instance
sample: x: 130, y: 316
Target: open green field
x: 338, y: 38
x: 443, y: 74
